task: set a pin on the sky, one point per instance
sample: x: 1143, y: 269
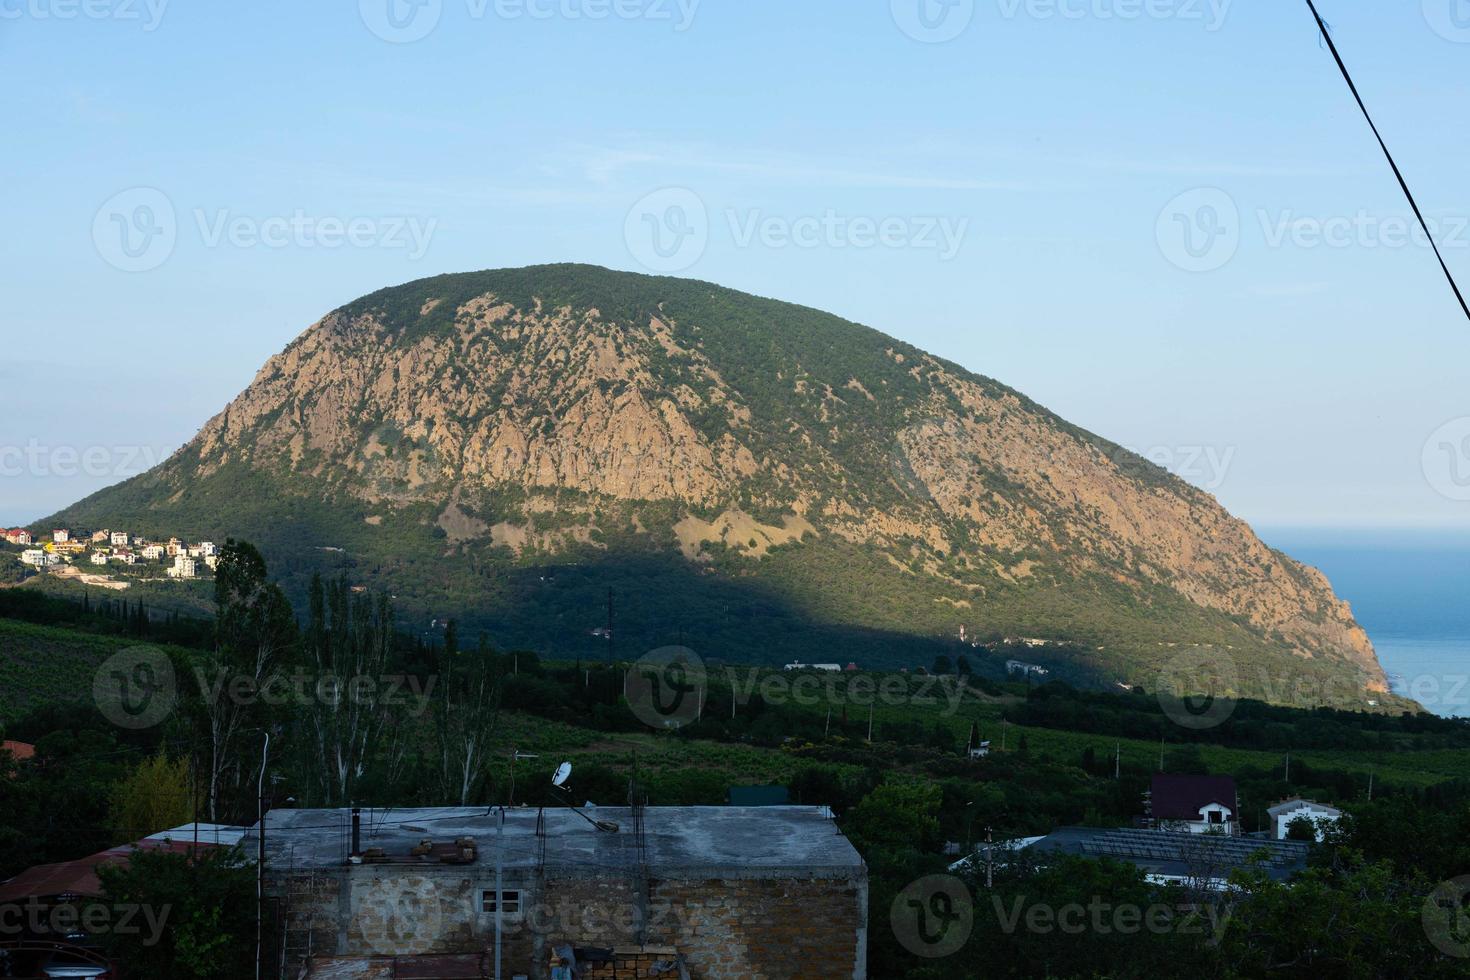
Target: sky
x: 1163, y: 219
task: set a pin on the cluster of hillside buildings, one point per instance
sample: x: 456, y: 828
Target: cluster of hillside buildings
x: 108, y: 547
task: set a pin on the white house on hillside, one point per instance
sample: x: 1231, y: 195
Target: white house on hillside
x: 99, y: 557
x: 1283, y: 813
x: 1197, y: 804
x: 119, y: 539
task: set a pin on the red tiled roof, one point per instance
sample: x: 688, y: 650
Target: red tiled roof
x: 21, y: 750
x: 1182, y: 797
x: 79, y: 877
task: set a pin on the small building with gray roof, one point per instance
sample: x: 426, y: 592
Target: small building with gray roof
x: 714, y: 892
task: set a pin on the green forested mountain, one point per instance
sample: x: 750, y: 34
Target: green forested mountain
x: 757, y: 480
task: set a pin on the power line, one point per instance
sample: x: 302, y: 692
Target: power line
x: 1404, y: 184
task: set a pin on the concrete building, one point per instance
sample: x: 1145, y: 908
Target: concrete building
x: 1283, y: 813
x: 119, y: 539
x: 39, y: 559
x: 727, y: 892
x: 183, y: 567
x: 61, y: 535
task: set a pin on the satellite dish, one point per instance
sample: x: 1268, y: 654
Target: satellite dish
x: 563, y: 773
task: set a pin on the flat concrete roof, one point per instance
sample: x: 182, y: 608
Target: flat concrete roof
x: 770, y: 841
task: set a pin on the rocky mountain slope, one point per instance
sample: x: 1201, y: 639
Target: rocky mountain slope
x: 760, y: 478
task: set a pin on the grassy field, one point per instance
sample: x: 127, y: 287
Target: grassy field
x: 40, y: 665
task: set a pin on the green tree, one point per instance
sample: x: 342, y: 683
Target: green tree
x: 255, y: 633
x: 198, y: 915
x: 155, y: 796
x: 897, y: 814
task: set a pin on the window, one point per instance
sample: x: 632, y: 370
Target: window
x: 510, y: 902
x: 1216, y: 816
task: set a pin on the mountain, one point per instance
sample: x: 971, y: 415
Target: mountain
x: 758, y: 480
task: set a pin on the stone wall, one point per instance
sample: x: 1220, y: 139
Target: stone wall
x: 786, y: 925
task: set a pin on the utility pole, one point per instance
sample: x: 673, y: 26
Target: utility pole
x: 989, y: 860
x: 499, y: 895
x: 870, y: 724
x: 1117, y: 760
x: 260, y: 851
x: 1370, y: 785
x: 828, y: 730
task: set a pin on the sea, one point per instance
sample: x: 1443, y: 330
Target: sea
x: 1410, y: 589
